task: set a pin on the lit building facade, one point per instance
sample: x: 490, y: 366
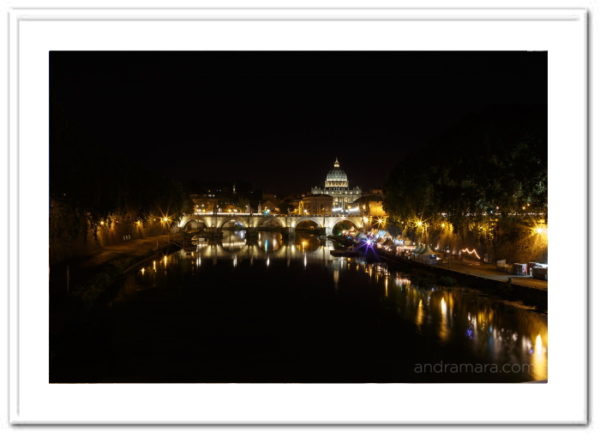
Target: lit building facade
x: 338, y: 187
x: 371, y: 205
x: 318, y: 204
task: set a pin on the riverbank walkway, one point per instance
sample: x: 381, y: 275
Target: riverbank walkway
x: 134, y: 248
x: 489, y: 271
x: 67, y: 275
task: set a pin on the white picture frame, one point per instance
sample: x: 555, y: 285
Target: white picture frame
x: 34, y: 32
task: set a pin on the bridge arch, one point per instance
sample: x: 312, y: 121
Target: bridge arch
x: 270, y: 222
x: 194, y: 224
x: 233, y: 222
x: 306, y: 223
x: 343, y: 224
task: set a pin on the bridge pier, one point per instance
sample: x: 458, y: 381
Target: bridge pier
x: 214, y: 234
x: 252, y: 235
x: 288, y: 234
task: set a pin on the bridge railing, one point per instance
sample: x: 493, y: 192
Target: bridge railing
x: 237, y: 214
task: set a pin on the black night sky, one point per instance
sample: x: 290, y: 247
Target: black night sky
x: 276, y: 119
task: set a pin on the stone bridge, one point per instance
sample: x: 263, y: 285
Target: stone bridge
x: 265, y: 222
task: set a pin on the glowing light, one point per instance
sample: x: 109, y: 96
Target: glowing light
x: 419, y: 223
x: 142, y: 271
x: 472, y: 252
x: 380, y: 221
x: 139, y: 223
x: 268, y: 261
x: 154, y: 265
x: 540, y: 229
x: 101, y: 222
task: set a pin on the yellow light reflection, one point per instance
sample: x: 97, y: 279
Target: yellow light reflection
x: 420, y: 314
x: 539, y: 360
x: 444, y: 329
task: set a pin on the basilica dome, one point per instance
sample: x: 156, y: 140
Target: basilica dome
x: 336, y: 177
x: 338, y: 187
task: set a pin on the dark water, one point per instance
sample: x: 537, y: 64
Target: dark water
x: 272, y: 312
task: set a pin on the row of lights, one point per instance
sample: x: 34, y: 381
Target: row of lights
x: 140, y: 223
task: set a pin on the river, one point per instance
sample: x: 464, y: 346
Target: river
x: 276, y: 312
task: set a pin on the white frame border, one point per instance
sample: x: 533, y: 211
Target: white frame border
x: 18, y: 15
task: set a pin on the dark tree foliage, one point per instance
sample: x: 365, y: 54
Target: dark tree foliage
x: 493, y: 161
x: 99, y: 184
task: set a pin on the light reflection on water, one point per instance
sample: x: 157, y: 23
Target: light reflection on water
x: 495, y: 330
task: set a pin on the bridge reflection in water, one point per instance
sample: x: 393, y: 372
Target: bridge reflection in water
x: 310, y: 306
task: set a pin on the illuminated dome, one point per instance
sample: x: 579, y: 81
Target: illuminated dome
x: 338, y: 187
x: 336, y: 177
